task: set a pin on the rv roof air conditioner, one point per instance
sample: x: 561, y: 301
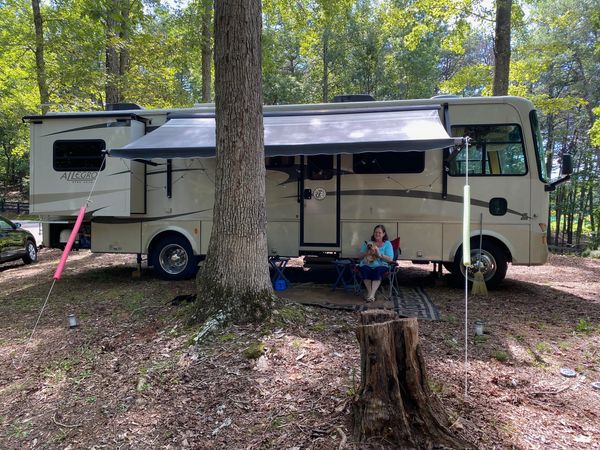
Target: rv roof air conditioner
x: 121, y: 106
x: 353, y: 98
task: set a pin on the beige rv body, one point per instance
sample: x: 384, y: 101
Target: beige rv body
x: 133, y: 203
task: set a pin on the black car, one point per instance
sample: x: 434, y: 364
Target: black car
x: 16, y: 243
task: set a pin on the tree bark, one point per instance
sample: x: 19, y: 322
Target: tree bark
x: 40, y: 63
x: 394, y: 402
x: 117, y: 49
x: 325, y: 80
x: 558, y: 200
x: 113, y: 94
x: 502, y: 47
x: 548, y: 162
x: 206, y: 53
x: 234, y: 279
x: 124, y: 47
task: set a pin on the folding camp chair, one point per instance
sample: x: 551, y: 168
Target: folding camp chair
x: 390, y: 276
x: 394, y: 267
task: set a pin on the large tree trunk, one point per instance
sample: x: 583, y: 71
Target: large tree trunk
x: 502, y: 47
x: 206, y: 53
x: 40, y: 63
x: 117, y: 49
x: 234, y: 279
x: 113, y: 94
x: 394, y: 402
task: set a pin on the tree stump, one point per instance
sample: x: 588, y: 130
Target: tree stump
x: 394, y: 402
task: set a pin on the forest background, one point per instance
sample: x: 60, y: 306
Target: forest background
x: 80, y: 55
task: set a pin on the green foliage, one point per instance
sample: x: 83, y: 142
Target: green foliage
x: 595, y: 130
x: 254, y: 350
x: 542, y: 347
x: 290, y: 314
x: 585, y: 326
x: 501, y: 356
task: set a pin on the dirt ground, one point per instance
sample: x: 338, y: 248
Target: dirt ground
x: 130, y: 376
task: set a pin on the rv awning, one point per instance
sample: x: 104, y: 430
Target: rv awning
x: 303, y: 133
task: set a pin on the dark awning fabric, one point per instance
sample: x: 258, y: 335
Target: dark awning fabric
x: 310, y: 133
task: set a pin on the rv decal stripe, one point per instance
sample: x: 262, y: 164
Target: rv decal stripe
x: 158, y: 172
x: 419, y: 194
x: 89, y: 127
x: 115, y: 220
x: 38, y: 199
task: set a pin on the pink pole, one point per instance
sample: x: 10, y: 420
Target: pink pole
x: 65, y: 254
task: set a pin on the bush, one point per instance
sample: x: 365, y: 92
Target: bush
x: 589, y: 253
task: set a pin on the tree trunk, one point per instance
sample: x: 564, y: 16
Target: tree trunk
x: 234, y: 279
x: 124, y: 47
x: 502, y: 47
x: 548, y: 162
x: 581, y: 212
x: 558, y: 208
x: 112, y: 55
x: 394, y: 402
x: 40, y: 63
x: 206, y: 54
x: 325, y: 81
x: 591, y: 209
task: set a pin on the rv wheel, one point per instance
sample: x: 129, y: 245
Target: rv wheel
x: 173, y: 259
x: 493, y: 264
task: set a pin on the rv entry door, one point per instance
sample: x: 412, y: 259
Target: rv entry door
x: 320, y: 203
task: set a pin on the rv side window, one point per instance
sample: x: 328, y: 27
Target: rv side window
x: 82, y: 155
x: 276, y: 162
x: 319, y: 167
x: 494, y: 150
x: 389, y: 162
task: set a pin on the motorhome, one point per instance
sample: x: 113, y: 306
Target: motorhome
x: 333, y: 172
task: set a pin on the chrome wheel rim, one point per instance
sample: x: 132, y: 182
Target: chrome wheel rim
x: 31, y: 251
x: 487, y: 263
x: 173, y: 259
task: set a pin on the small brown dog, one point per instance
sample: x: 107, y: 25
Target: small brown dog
x: 372, y: 253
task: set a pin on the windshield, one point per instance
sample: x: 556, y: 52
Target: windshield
x: 540, y: 154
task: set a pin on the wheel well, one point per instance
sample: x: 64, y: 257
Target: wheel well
x: 492, y: 240
x: 162, y: 235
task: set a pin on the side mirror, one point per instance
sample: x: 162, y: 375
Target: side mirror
x: 566, y: 164
x: 17, y: 225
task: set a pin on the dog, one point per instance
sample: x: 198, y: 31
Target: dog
x: 372, y: 253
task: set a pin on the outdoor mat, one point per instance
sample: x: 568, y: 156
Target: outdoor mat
x: 411, y: 302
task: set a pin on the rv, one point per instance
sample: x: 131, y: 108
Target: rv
x: 333, y: 172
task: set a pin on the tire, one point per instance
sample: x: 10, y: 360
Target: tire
x: 31, y: 253
x: 172, y: 258
x: 494, y: 263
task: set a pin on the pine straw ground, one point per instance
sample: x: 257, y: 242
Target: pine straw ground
x: 129, y: 378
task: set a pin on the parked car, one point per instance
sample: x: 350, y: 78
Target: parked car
x: 16, y: 243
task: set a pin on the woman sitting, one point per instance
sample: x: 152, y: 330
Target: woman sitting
x: 375, y: 255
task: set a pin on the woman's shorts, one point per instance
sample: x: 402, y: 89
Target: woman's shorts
x: 373, y: 273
